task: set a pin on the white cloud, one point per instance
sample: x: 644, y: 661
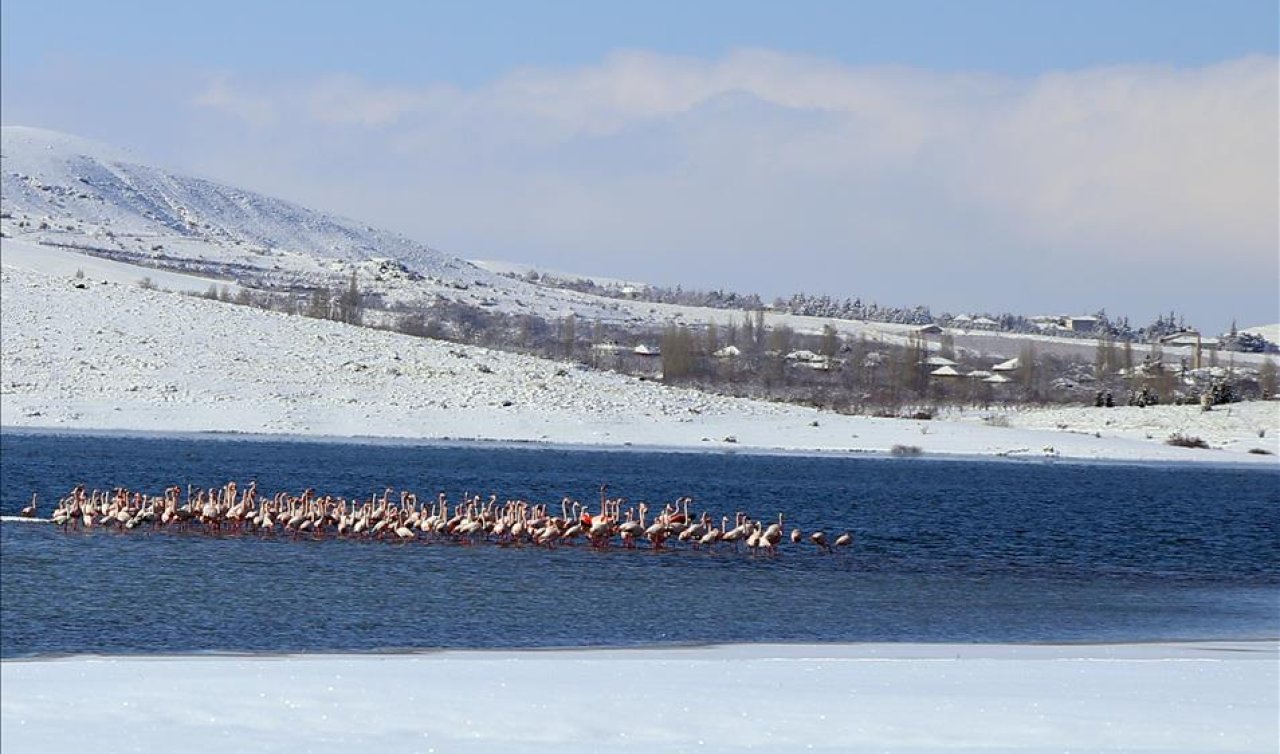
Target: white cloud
x: 255, y: 110
x: 1153, y: 161
x: 648, y: 166
x: 349, y: 100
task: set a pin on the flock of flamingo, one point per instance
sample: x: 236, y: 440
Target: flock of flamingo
x: 472, y: 520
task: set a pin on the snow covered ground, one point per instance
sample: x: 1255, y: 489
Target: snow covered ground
x: 114, y: 356
x: 1204, y: 697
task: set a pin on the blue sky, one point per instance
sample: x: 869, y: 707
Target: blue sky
x: 470, y: 42
x: 1019, y: 156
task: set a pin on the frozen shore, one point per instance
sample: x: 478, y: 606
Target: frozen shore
x: 1193, y: 697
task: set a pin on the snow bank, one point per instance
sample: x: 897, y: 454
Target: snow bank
x: 851, y: 698
x: 118, y: 357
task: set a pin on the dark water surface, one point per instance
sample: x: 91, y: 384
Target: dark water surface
x: 947, y: 550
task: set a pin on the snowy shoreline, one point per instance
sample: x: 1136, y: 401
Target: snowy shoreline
x: 1200, y: 696
x: 850, y: 650
x: 544, y: 445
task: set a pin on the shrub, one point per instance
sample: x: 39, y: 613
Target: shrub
x: 906, y: 450
x: 1185, y: 441
x: 1260, y: 452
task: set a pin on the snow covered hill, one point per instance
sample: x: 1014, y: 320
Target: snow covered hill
x: 79, y: 354
x: 61, y: 193
x: 66, y: 191
x: 65, y: 194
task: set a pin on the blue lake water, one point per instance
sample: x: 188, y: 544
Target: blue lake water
x: 947, y: 550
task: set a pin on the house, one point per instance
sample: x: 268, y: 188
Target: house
x: 930, y: 329
x: 1082, y: 323
x: 1050, y: 326
x: 947, y: 371
x: 1007, y: 366
x: 1189, y: 338
x: 728, y: 352
x: 643, y: 350
x: 1193, y: 340
x: 939, y: 361
x: 810, y: 359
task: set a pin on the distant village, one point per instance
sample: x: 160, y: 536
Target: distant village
x: 1168, y: 329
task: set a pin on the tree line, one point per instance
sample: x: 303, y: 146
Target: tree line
x: 757, y: 356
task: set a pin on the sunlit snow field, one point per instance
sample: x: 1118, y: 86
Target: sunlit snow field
x: 848, y: 698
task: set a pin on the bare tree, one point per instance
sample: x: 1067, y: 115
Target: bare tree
x: 350, y: 308
x: 677, y: 352
x: 568, y: 335
x: 830, y: 341
x: 1267, y: 378
x: 318, y: 304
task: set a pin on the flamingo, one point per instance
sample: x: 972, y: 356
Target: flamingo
x: 771, y: 537
x: 742, y: 529
x: 709, y: 538
x: 404, y: 532
x: 820, y: 539
x: 381, y: 516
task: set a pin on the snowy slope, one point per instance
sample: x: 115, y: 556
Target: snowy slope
x: 1270, y: 332
x: 119, y: 357
x: 60, y: 190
